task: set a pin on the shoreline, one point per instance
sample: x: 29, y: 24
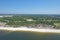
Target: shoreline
x: 30, y: 29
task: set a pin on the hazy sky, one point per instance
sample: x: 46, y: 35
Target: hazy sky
x: 30, y: 6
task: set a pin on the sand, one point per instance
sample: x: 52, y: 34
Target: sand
x: 30, y: 29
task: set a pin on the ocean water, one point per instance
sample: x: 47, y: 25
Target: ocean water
x: 21, y: 35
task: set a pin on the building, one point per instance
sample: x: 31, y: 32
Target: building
x: 29, y: 19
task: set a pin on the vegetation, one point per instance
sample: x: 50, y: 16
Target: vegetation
x: 21, y: 20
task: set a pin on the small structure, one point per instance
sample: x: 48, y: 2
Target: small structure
x: 29, y: 19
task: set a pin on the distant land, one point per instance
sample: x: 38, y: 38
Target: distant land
x: 27, y: 14
x: 30, y: 22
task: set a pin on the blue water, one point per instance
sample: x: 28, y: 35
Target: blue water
x: 28, y: 36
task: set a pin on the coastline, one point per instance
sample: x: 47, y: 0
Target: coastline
x: 30, y: 29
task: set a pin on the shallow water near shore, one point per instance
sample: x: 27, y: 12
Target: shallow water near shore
x: 21, y: 35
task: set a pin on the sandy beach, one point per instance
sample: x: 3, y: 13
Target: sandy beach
x: 30, y: 29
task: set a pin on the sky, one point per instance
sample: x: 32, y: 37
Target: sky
x: 29, y: 6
